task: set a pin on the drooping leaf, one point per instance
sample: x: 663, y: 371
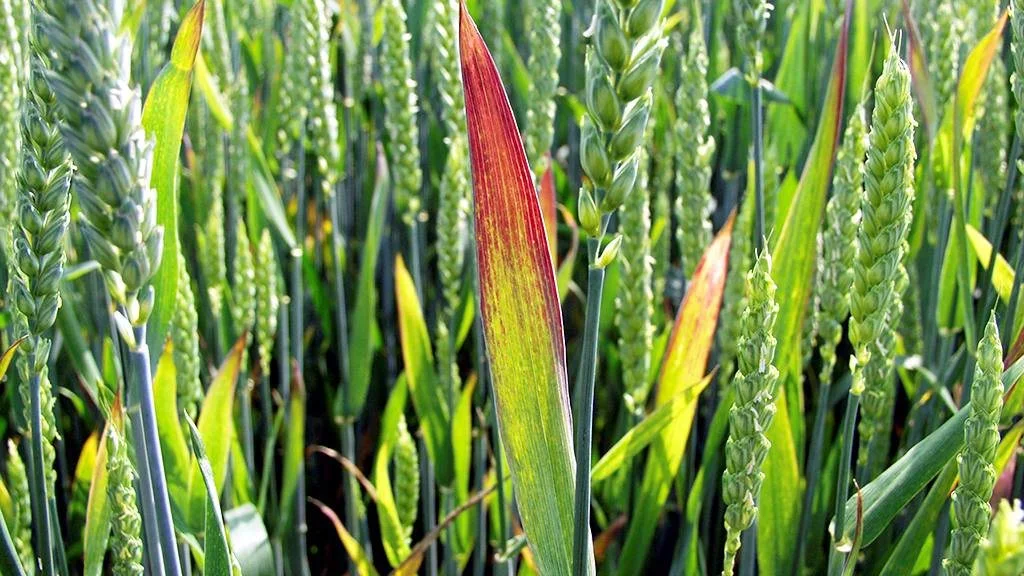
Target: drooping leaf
x: 795, y: 255
x: 521, y: 315
x: 684, y: 366
x: 892, y: 490
x: 294, y: 449
x: 427, y: 396
x: 216, y: 554
x: 163, y: 117
x: 641, y: 435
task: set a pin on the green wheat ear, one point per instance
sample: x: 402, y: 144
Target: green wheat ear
x: 20, y: 525
x: 751, y: 18
x: 400, y: 105
x: 185, y: 337
x: 753, y: 408
x: 323, y: 112
x: 635, y: 301
x: 879, y: 273
x: 267, y: 300
x: 406, y: 464
x: 295, y: 95
x: 11, y: 93
x: 694, y: 155
x: 125, y: 522
x: 543, y: 36
x: 971, y: 510
x: 839, y: 241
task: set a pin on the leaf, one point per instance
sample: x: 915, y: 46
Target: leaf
x: 177, y: 463
x: 1002, y: 277
x: 462, y: 454
x: 420, y: 375
x: 920, y: 79
x: 216, y: 557
x: 641, y: 435
x: 97, y: 514
x: 396, y: 546
x: 249, y: 541
x: 353, y: 548
x: 795, y: 255
x: 8, y: 356
x: 684, y: 366
x: 163, y: 117
x: 294, y: 450
x: 216, y: 427
x: 549, y: 210
x: 894, y: 488
x: 521, y: 316
x: 361, y: 345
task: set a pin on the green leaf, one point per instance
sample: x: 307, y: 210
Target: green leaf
x: 97, y: 514
x: 163, y: 117
x: 9, y: 562
x: 294, y: 450
x: 177, y: 463
x: 893, y: 489
x: 419, y: 373
x: 396, y: 545
x: 462, y: 454
x: 641, y: 435
x: 216, y: 556
x: 8, y: 356
x: 684, y: 366
x: 249, y: 541
x: 216, y: 427
x: 361, y: 346
x: 1002, y: 277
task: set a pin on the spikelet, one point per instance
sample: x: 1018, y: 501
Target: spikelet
x: 185, y: 336
x: 991, y: 156
x: 267, y: 300
x: 622, y: 63
x: 103, y: 132
x: 1002, y: 554
x: 694, y: 155
x: 213, y: 257
x: 217, y: 42
x: 400, y: 106
x: 20, y: 525
x: 971, y: 510
x: 323, y: 113
x: 543, y: 37
x: 1017, y: 51
x: 753, y: 408
x: 406, y: 463
x: 662, y: 172
x: 243, y: 289
x: 11, y: 62
x: 839, y: 241
x: 942, y: 34
x: 751, y: 22
x: 295, y: 96
x: 635, y: 300
x: 152, y: 49
x: 875, y: 302
x: 125, y: 522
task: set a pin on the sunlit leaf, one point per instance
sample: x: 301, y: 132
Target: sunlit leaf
x: 522, y: 319
x: 216, y: 554
x: 97, y: 515
x: 163, y: 117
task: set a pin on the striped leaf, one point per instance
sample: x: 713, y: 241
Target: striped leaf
x: 520, y: 312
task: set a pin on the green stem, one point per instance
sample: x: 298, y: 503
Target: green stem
x: 429, y: 498
x: 585, y: 407
x: 748, y: 551
x: 147, y: 507
x: 143, y: 383
x: 843, y: 484
x: 9, y: 563
x: 37, y: 492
